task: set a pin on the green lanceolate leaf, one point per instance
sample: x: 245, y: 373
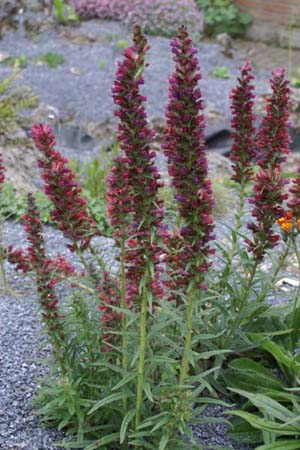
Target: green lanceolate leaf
x: 114, y: 437
x: 126, y: 421
x: 267, y: 405
x: 124, y: 381
x: 245, y: 372
x: 262, y: 424
x: 281, y: 445
x: 106, y: 401
x: 163, y: 442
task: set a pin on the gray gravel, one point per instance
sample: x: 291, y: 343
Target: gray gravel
x: 88, y: 95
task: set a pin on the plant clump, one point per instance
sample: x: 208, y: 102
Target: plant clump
x: 139, y: 350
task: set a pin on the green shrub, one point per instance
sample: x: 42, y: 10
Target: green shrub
x: 223, y: 16
x: 53, y: 60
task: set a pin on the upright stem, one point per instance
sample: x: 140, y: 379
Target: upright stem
x: 188, y: 338
x: 124, y: 308
x: 243, y: 302
x: 238, y: 224
x: 238, y: 218
x: 139, y: 397
x: 282, y: 258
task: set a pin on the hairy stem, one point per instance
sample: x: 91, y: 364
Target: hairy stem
x: 188, y: 338
x: 143, y: 330
x: 242, y: 303
x: 124, y: 308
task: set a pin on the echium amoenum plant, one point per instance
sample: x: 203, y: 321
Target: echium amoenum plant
x: 269, y: 194
x: 143, y: 251
x: 187, y: 163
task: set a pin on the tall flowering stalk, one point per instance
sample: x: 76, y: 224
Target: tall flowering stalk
x: 273, y: 146
x: 43, y: 268
x: 267, y: 208
x: 273, y: 137
x: 187, y: 163
x: 143, y: 253
x: 70, y: 208
x: 119, y: 209
x: 243, y: 151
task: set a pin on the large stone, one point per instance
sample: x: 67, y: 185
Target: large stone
x: 20, y: 163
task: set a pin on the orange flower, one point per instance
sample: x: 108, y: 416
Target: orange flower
x: 285, y: 222
x: 298, y: 223
x: 281, y: 221
x: 287, y: 226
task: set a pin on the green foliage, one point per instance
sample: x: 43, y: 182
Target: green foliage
x: 272, y: 393
x: 121, y: 44
x: 295, y: 81
x: 15, y: 61
x: 12, y: 206
x: 102, y: 64
x: 64, y: 13
x: 222, y: 72
x: 89, y: 400
x: 12, y: 100
x: 53, y: 60
x: 223, y: 16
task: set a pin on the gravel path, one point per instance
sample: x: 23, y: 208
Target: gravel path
x: 79, y: 86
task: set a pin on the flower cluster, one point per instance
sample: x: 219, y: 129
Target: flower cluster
x: 18, y: 258
x: 187, y: 163
x: 154, y: 16
x: 243, y: 147
x: 273, y: 137
x: 70, y: 208
x: 142, y: 175
x: 267, y: 208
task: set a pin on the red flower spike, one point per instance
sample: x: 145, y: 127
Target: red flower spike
x: 243, y: 152
x: 70, y: 209
x: 141, y: 179
x: 187, y: 163
x: 267, y: 208
x: 273, y: 137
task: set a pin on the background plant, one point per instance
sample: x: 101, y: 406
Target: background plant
x: 63, y: 12
x: 223, y: 16
x: 222, y: 72
x: 53, y: 60
x: 12, y: 101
